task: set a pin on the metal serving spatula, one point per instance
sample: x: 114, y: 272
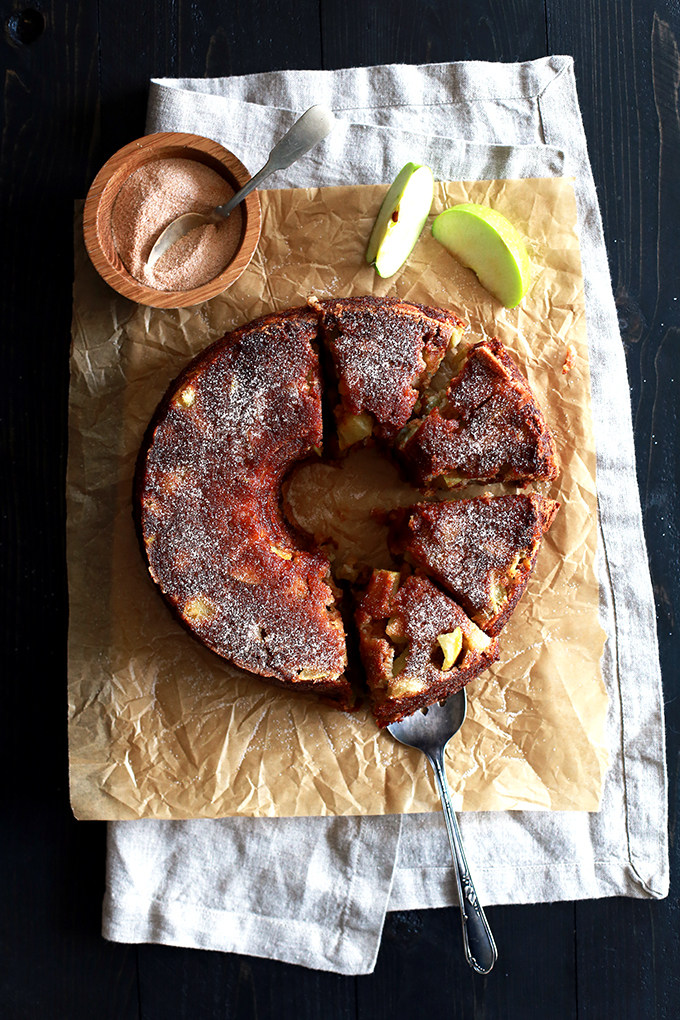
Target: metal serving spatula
x: 430, y: 731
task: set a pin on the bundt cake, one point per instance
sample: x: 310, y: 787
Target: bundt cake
x: 485, y: 428
x: 417, y: 645
x: 481, y: 550
x: 258, y: 592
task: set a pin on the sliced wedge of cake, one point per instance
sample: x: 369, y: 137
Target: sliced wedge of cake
x: 481, y: 550
x: 417, y: 645
x: 383, y: 352
x: 487, y: 427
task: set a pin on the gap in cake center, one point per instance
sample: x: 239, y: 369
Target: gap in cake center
x: 335, y: 503
x: 340, y: 504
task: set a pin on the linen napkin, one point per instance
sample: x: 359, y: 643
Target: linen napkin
x: 314, y: 891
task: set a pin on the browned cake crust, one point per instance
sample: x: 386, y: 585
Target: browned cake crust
x: 384, y: 352
x: 481, y: 550
x: 208, y: 506
x: 487, y: 428
x: 399, y: 629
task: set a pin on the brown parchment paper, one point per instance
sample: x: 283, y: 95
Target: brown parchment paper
x: 159, y: 726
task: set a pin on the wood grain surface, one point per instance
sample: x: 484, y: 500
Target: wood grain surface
x: 75, y: 85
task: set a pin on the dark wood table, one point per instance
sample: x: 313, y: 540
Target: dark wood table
x: 75, y: 85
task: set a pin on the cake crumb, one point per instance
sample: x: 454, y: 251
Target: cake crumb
x: 569, y: 360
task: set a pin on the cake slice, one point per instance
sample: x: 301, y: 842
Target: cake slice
x: 486, y: 427
x: 383, y: 353
x: 482, y: 550
x: 417, y: 645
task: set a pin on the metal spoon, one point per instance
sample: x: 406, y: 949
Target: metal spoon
x: 430, y: 731
x: 305, y: 133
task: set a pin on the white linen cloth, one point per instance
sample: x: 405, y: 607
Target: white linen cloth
x: 314, y: 891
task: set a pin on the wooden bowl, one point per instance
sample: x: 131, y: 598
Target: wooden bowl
x: 103, y: 194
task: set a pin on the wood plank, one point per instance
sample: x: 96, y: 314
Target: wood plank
x: 189, y: 40
x: 627, y: 954
x: 54, y: 962
x: 189, y: 984
x: 184, y: 41
x: 628, y: 70
x: 365, y: 32
x: 421, y: 960
x: 422, y: 966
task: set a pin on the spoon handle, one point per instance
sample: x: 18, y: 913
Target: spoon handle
x: 254, y: 182
x: 480, y: 948
x: 305, y: 133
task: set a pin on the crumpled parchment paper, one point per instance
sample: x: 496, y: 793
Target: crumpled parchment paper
x: 160, y: 727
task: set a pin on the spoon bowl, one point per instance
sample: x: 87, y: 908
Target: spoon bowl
x: 430, y: 730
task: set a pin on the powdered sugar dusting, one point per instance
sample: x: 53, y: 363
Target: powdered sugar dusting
x: 474, y: 547
x: 256, y: 591
x: 487, y: 427
x: 419, y: 614
x: 383, y: 361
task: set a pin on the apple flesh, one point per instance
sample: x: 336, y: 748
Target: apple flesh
x: 401, y: 219
x: 486, y: 242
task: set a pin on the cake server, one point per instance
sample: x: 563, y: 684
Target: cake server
x: 305, y: 133
x: 430, y: 731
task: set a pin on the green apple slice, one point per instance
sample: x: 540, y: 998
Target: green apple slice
x: 485, y: 241
x: 401, y: 219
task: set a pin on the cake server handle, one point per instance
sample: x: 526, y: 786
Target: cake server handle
x: 480, y: 948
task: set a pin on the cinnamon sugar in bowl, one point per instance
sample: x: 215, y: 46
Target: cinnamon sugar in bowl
x: 146, y: 185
